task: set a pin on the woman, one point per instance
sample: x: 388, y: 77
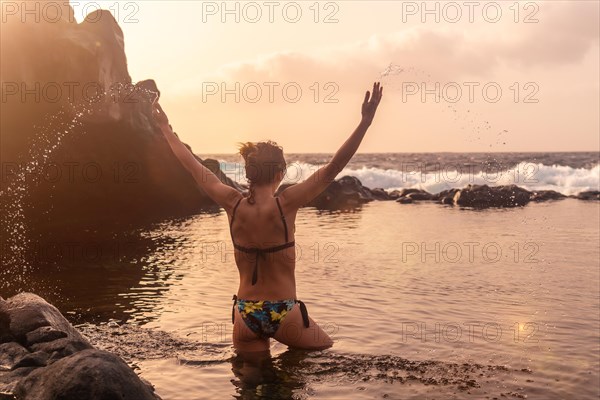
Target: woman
x: 266, y: 305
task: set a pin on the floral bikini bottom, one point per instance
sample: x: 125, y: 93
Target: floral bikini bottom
x: 263, y: 317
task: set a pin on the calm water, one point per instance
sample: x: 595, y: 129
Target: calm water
x: 420, y: 299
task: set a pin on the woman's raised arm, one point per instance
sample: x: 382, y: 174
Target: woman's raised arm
x: 223, y: 195
x: 303, y: 192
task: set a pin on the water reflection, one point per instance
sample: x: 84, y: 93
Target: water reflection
x: 259, y: 376
x: 103, y: 274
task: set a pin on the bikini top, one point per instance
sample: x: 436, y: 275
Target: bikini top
x: 256, y: 250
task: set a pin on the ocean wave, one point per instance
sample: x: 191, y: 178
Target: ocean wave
x: 531, y: 176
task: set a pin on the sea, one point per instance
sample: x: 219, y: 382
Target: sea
x: 422, y: 300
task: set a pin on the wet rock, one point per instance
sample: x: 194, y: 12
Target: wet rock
x: 341, y: 194
x: 407, y: 191
x: 29, y: 312
x: 10, y: 379
x: 10, y: 354
x: 484, y: 196
x: 89, y: 374
x: 420, y: 195
x: 44, y: 334
x: 5, y: 335
x: 394, y: 194
x: 344, y: 193
x: 410, y: 195
x: 446, y: 196
x: 108, y: 124
x: 37, y: 359
x: 380, y: 194
x: 50, y: 359
x: 405, y: 200
x: 590, y: 195
x: 62, y: 347
x: 545, y: 195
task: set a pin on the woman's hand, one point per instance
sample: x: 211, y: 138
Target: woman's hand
x: 371, y: 102
x: 159, y: 115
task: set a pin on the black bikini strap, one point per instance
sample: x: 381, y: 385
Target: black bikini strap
x: 233, y: 215
x: 233, y: 309
x: 304, y: 313
x: 282, y: 218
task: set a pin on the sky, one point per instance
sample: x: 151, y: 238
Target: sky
x: 458, y: 76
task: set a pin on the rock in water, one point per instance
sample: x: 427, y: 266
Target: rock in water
x: 344, y: 193
x: 72, y: 115
x: 590, y: 195
x: 89, y: 374
x: 544, y: 195
x: 483, y: 196
x: 44, y: 357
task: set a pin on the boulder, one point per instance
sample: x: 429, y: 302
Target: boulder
x: 28, y: 312
x: 545, y: 195
x: 49, y: 359
x: 483, y: 196
x: 88, y: 374
x: 82, y: 149
x: 589, y: 195
x: 446, y: 196
x: 342, y: 194
x: 381, y: 194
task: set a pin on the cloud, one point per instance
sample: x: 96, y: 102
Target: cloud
x: 563, y: 35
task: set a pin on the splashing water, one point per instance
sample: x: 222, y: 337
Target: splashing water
x: 16, y: 250
x: 17, y: 246
x: 476, y: 127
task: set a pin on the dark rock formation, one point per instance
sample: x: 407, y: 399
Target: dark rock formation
x: 68, y: 83
x: 591, y: 195
x: 480, y: 196
x: 483, y: 196
x: 446, y: 196
x: 381, y: 194
x: 344, y: 193
x: 43, y: 357
x: 89, y: 374
x: 544, y: 195
x: 348, y: 192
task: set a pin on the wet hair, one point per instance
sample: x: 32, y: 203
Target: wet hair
x: 263, y: 161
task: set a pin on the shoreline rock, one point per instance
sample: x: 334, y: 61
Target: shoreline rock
x: 43, y: 357
x: 484, y: 196
x: 348, y: 192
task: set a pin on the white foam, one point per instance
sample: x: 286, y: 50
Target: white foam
x: 531, y: 176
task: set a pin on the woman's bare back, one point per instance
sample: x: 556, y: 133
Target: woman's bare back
x: 260, y: 226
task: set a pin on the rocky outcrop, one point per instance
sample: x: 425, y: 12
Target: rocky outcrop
x: 345, y: 193
x: 480, y: 196
x: 483, y: 196
x: 589, y: 195
x: 545, y: 195
x: 348, y: 192
x: 80, y: 147
x: 42, y: 357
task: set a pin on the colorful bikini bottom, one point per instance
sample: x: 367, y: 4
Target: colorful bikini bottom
x: 263, y: 317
